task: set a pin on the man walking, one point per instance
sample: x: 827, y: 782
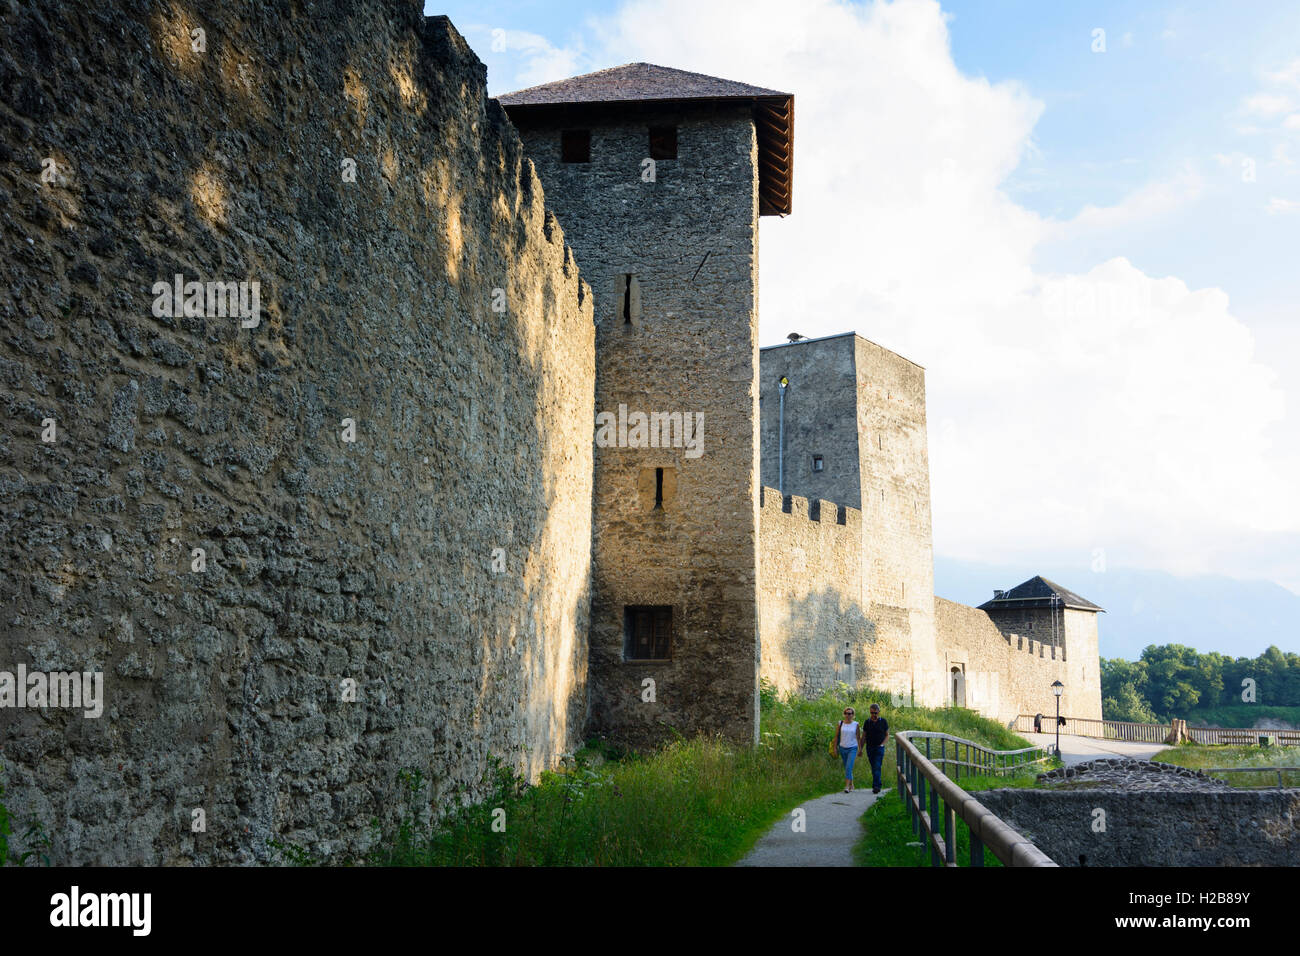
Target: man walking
x: 876, y: 731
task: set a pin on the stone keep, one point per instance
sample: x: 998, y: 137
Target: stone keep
x: 658, y: 178
x: 855, y: 434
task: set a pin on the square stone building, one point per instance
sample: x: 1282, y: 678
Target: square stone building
x: 658, y: 178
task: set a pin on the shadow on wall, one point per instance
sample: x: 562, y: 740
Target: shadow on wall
x: 327, y: 559
x: 813, y: 642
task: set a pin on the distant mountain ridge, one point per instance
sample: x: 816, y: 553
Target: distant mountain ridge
x: 1208, y: 613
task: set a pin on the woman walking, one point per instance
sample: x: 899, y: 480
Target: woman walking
x: 848, y: 741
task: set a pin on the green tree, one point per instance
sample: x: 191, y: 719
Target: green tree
x: 1116, y: 672
x: 1128, y: 705
x: 1173, y: 677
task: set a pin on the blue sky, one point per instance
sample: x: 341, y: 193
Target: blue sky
x: 997, y: 159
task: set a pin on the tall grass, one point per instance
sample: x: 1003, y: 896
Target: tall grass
x: 700, y: 802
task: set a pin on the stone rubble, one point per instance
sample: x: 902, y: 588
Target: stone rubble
x: 1132, y: 774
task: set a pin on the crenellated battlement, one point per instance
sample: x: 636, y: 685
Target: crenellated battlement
x: 772, y: 502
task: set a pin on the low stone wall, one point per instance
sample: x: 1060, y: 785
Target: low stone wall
x: 1107, y: 827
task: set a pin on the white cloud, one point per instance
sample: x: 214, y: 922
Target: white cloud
x: 533, y: 57
x: 1266, y: 104
x: 1274, y: 101
x: 1149, y: 202
x: 1277, y: 205
x: 1110, y: 409
x: 1289, y: 75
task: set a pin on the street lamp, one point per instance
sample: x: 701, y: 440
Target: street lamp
x: 780, y: 451
x: 1058, y: 688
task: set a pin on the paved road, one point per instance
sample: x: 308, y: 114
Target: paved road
x: 1076, y: 750
x: 831, y: 829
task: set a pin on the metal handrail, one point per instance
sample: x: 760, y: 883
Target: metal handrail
x: 1154, y: 733
x: 917, y: 775
x: 1278, y: 770
x: 979, y: 759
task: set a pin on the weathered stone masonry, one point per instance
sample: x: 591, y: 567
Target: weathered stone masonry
x: 1155, y: 828
x: 325, y: 560
x: 672, y: 261
x: 812, y: 617
x: 468, y: 563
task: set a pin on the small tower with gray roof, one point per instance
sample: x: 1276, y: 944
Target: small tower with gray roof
x: 1061, y: 625
x: 658, y: 178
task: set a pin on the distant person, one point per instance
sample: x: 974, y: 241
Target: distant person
x: 846, y: 742
x: 875, y: 733
x: 1038, y: 723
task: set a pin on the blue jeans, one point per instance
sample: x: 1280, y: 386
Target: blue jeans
x: 877, y: 756
x: 848, y: 755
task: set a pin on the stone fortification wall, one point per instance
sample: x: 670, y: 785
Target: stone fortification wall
x: 378, y: 479
x: 811, y: 610
x: 1006, y: 675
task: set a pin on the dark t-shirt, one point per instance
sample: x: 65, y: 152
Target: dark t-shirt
x: 876, y: 731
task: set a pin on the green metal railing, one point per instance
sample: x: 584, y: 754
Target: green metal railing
x: 976, y: 759
x: 1277, y: 770
x: 919, y: 778
x: 1155, y: 733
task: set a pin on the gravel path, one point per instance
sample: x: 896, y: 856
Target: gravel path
x: 831, y: 828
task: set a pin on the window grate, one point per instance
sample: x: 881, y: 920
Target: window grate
x: 647, y: 632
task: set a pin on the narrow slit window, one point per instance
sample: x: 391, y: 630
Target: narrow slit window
x: 627, y: 293
x: 575, y: 145
x: 659, y: 489
x: 663, y: 142
x: 818, y: 464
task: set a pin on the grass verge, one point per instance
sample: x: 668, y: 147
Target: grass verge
x: 1200, y: 756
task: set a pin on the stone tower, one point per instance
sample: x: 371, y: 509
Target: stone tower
x: 1064, y: 626
x: 658, y: 178
x: 852, y: 430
